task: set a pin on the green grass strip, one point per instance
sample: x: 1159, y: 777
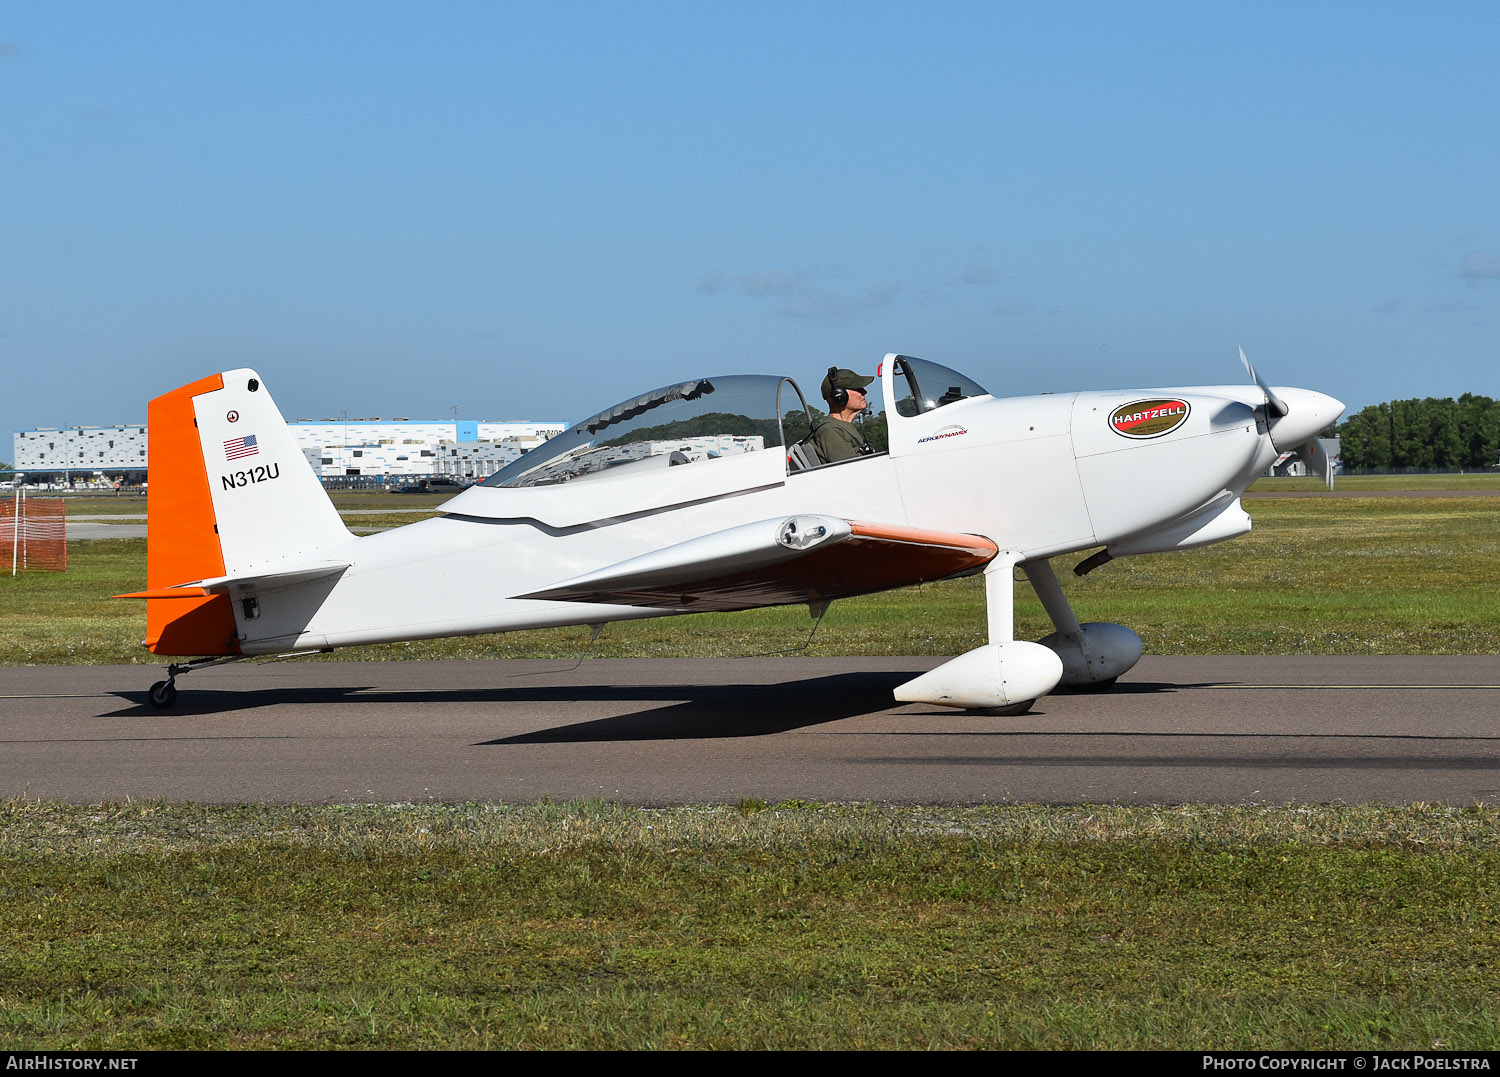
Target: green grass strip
x: 795, y: 926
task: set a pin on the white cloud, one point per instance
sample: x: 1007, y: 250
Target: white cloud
x: 778, y: 284
x: 1012, y: 308
x: 809, y: 295
x: 1479, y: 265
x: 980, y: 273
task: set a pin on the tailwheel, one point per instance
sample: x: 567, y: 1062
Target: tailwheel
x: 163, y: 694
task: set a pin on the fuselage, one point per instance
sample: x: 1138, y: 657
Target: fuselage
x: 1040, y: 476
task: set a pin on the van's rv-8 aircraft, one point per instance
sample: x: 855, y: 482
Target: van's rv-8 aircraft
x: 702, y: 496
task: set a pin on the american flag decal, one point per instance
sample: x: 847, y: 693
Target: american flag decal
x: 237, y: 448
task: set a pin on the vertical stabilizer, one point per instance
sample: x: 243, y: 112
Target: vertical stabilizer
x: 230, y: 494
x: 270, y: 507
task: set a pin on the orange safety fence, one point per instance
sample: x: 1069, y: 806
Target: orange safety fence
x: 33, y: 534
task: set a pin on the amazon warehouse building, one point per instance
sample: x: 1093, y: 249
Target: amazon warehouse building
x: 352, y: 452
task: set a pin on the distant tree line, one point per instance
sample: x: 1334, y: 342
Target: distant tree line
x: 1427, y: 433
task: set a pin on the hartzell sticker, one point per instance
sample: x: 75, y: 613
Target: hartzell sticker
x: 1148, y: 418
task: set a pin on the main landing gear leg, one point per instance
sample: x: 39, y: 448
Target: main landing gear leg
x: 1006, y: 675
x: 1092, y: 654
x: 163, y: 694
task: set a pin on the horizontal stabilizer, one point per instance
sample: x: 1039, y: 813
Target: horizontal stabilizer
x: 263, y: 581
x: 778, y: 562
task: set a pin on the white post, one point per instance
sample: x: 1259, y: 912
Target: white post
x: 15, y: 545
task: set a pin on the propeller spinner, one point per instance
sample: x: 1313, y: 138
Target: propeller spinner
x: 1294, y: 418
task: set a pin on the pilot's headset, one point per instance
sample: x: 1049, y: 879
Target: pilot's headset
x: 837, y: 396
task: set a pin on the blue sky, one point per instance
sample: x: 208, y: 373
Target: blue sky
x: 531, y: 210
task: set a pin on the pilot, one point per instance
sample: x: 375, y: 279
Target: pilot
x: 837, y: 438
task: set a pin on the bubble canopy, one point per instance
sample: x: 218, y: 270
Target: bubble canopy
x: 709, y: 419
x: 705, y: 418
x: 921, y: 385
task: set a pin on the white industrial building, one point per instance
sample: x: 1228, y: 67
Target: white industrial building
x: 401, y: 448
x: 397, y: 448
x: 81, y: 453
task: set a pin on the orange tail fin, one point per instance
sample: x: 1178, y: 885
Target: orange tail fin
x: 182, y: 541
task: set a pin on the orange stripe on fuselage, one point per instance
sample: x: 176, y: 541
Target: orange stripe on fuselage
x: 981, y: 548
x: 182, y: 543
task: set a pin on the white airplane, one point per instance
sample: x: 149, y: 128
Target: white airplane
x: 698, y: 496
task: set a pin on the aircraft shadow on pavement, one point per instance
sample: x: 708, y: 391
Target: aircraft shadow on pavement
x: 200, y: 702
x: 733, y: 710
x: 1132, y: 688
x: 763, y: 709
x: 688, y: 712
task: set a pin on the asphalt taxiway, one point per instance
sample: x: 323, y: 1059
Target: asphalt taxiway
x: 1221, y: 729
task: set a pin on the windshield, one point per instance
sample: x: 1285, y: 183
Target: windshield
x: 703, y: 419
x: 924, y: 386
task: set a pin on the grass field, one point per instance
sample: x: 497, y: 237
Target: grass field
x: 1380, y: 575
x: 796, y: 926
x: 1481, y: 480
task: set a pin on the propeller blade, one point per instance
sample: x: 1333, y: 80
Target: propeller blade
x: 1274, y: 404
x: 1297, y: 434
x: 1318, y: 462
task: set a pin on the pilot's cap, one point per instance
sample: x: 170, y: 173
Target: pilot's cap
x: 843, y: 378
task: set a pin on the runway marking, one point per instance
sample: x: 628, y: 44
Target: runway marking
x: 1343, y: 687
x: 79, y: 695
x: 146, y: 740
